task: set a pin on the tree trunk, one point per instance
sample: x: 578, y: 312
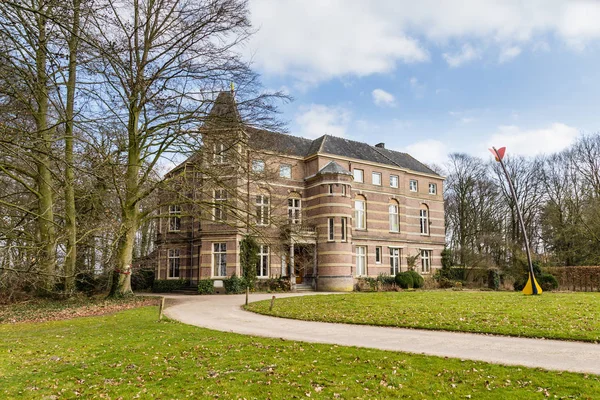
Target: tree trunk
x: 70, y: 213
x: 46, y: 230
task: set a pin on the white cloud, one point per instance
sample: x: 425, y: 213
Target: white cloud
x: 417, y: 87
x: 313, y: 41
x: 316, y: 120
x: 466, y: 54
x: 382, y: 98
x: 429, y: 151
x: 532, y: 142
x: 508, y: 53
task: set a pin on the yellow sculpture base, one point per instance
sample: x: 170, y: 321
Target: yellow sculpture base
x: 528, y: 289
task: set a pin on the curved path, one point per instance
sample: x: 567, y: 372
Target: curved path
x: 224, y: 313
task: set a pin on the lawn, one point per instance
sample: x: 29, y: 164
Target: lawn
x: 573, y: 316
x: 131, y: 355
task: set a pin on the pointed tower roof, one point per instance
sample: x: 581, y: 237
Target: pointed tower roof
x: 333, y: 168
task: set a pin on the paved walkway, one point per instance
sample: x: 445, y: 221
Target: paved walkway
x: 224, y: 313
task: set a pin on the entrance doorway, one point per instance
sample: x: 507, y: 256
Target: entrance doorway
x: 303, y: 262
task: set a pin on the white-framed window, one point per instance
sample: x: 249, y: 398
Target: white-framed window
x: 425, y: 261
x: 344, y: 229
x: 258, y: 166
x: 219, y: 259
x: 219, y: 153
x: 294, y: 214
x: 174, y: 218
x: 424, y: 220
x: 360, y: 213
x: 262, y: 209
x: 394, y: 218
x: 285, y: 171
x: 174, y: 263
x: 394, y: 181
x: 330, y: 189
x: 432, y: 188
x: 361, y: 260
x: 376, y: 178
x: 394, y: 260
x: 359, y: 175
x: 413, y: 185
x: 284, y: 265
x: 220, y: 196
x: 330, y: 229
x: 344, y: 190
x: 262, y: 266
x: 378, y: 255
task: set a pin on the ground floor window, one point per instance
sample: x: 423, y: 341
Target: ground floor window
x: 394, y: 261
x: 361, y: 260
x: 262, y: 268
x: 174, y: 262
x: 425, y: 260
x: 220, y: 259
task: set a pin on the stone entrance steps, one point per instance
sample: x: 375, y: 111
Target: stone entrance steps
x: 190, y: 290
x: 303, y: 287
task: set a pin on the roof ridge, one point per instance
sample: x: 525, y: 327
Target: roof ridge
x: 392, y: 161
x: 322, y: 141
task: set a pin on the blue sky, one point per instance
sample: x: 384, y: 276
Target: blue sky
x: 431, y: 77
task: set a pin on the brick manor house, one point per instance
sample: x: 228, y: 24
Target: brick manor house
x: 324, y: 211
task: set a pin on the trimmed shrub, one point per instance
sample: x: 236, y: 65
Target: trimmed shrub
x: 367, y: 284
x: 548, y: 282
x: 418, y: 280
x: 142, y: 279
x: 386, y: 279
x: 169, y: 285
x: 206, y: 286
x: 493, y: 279
x: 234, y: 285
x: 404, y: 280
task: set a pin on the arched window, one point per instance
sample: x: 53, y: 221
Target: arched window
x: 424, y: 219
x: 360, y: 212
x: 394, y: 217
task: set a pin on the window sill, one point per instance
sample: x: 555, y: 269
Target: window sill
x: 172, y: 278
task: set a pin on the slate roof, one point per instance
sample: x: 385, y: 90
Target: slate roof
x: 225, y: 111
x: 334, y: 168
x: 298, y: 146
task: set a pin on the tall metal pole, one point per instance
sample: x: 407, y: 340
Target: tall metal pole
x: 534, y: 285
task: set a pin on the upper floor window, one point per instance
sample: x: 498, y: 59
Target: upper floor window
x: 394, y: 181
x: 285, y: 171
x: 330, y: 229
x: 258, y: 166
x: 220, y: 199
x: 219, y: 153
x: 219, y: 259
x: 424, y: 219
x: 394, y: 219
x: 262, y: 209
x: 262, y: 266
x: 360, y: 206
x: 432, y: 188
x: 344, y: 190
x: 330, y: 189
x: 376, y: 178
x: 359, y: 175
x: 294, y: 214
x: 425, y: 261
x: 414, y: 185
x: 174, y: 218
x: 344, y: 229
x: 174, y: 262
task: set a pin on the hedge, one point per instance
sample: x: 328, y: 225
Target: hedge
x: 584, y: 279
x: 169, y: 285
x: 206, y: 286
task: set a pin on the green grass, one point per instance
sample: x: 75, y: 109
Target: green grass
x: 572, y: 316
x: 130, y: 354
